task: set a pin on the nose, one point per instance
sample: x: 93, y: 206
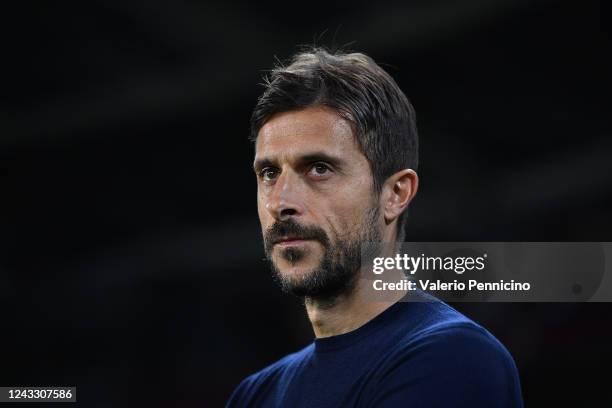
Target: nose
x: 284, y: 199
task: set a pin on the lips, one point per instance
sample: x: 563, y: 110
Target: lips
x: 290, y: 240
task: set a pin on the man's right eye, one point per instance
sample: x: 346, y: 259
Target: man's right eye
x: 268, y: 173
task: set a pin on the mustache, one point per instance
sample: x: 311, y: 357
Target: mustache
x: 294, y: 230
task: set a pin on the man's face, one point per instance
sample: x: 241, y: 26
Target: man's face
x: 315, y: 200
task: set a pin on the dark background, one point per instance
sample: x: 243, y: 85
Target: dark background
x: 130, y: 257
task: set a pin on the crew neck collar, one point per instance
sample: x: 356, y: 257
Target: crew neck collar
x: 347, y: 339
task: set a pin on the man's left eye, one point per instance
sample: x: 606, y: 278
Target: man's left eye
x: 319, y: 169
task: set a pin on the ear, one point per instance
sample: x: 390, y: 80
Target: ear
x: 397, y: 192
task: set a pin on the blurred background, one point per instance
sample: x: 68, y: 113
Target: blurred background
x: 131, y: 258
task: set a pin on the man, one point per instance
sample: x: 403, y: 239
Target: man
x: 335, y: 159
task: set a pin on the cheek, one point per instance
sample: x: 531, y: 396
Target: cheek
x: 351, y: 214
x: 262, y: 212
x: 344, y: 221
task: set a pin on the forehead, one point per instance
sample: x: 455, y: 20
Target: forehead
x: 316, y: 128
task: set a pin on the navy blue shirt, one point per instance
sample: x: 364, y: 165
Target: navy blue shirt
x: 414, y: 354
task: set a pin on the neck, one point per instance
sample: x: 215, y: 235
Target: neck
x: 346, y: 312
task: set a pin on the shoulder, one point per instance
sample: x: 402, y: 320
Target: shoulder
x: 455, y: 341
x: 267, y: 378
x: 461, y: 345
x: 453, y: 359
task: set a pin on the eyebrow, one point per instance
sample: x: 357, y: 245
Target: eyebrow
x: 302, y: 159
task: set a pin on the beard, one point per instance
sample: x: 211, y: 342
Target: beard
x: 339, y: 267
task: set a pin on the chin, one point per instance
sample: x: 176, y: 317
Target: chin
x: 295, y: 269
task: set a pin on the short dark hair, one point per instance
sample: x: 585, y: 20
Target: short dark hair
x: 359, y: 90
